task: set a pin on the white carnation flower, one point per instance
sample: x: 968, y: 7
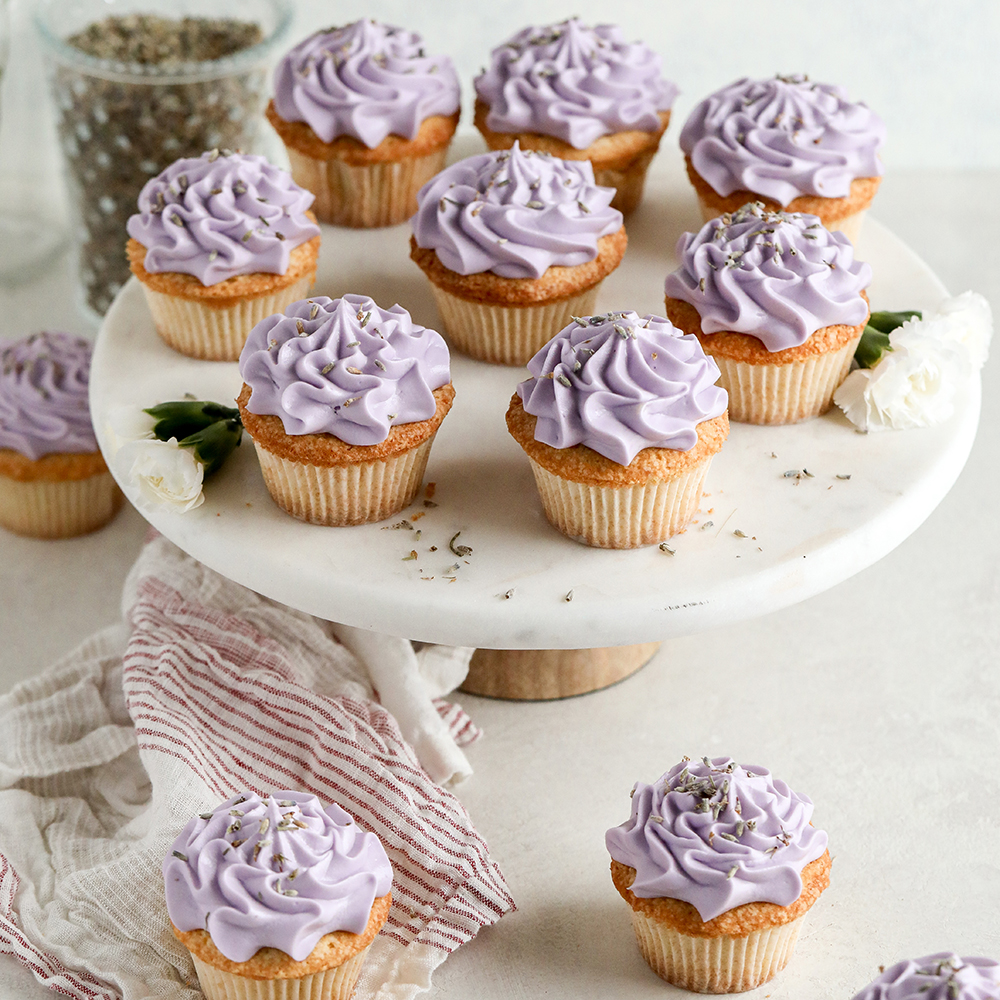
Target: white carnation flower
x: 125, y: 424
x: 916, y: 383
x: 166, y: 474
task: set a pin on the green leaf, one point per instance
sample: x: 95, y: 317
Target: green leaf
x: 213, y: 444
x: 182, y: 418
x: 875, y: 339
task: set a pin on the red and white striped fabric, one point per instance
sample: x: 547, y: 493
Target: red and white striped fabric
x: 223, y: 691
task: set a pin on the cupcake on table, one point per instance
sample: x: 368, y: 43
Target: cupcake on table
x: 219, y: 242
x: 53, y: 480
x: 514, y: 243
x: 778, y: 301
x: 580, y: 93
x: 719, y: 863
x: 789, y: 143
x: 366, y: 116
x: 277, y: 897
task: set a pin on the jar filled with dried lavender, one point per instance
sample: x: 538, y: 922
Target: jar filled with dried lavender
x: 137, y: 85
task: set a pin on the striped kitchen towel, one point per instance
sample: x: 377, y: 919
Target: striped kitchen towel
x: 207, y: 691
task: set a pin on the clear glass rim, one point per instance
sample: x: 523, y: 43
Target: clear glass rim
x: 190, y: 72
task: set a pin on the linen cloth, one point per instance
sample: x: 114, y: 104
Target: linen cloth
x: 206, y: 690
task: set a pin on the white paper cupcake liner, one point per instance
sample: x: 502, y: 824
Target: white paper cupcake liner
x: 849, y: 225
x: 620, y: 517
x: 198, y: 330
x: 507, y: 335
x: 330, y: 984
x: 341, y: 495
x: 628, y: 183
x: 42, y: 509
x: 715, y: 964
x: 366, y: 196
x: 784, y: 394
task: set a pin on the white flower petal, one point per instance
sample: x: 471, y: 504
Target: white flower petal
x: 125, y: 424
x: 166, y: 475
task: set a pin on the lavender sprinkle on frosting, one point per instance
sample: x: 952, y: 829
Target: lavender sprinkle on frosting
x: 620, y: 383
x: 688, y: 856
x: 778, y: 276
x: 943, y: 976
x: 241, y: 882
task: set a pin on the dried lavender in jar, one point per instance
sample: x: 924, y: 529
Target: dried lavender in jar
x: 123, y: 123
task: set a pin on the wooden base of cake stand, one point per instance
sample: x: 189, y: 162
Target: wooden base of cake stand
x: 544, y: 674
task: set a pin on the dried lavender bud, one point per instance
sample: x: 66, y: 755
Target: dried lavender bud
x: 118, y: 132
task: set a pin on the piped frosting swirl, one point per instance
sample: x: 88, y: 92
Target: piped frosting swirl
x: 943, y: 976
x: 514, y: 213
x: 783, y: 137
x: 717, y: 835
x: 278, y: 871
x: 221, y: 214
x: 779, y: 276
x: 345, y: 367
x: 620, y: 383
x: 366, y: 80
x: 43, y: 395
x: 575, y: 83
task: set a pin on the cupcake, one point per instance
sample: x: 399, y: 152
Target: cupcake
x: 514, y: 243
x: 53, y: 480
x: 620, y: 420
x: 219, y: 242
x: 943, y: 976
x: 581, y: 94
x: 276, y: 897
x: 719, y: 863
x: 366, y: 116
x: 342, y: 400
x: 789, y: 143
x: 779, y: 302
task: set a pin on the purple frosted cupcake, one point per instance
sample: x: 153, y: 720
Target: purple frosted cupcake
x: 277, y: 897
x: 788, y: 142
x: 514, y: 243
x: 779, y: 302
x: 580, y: 93
x: 720, y: 863
x: 366, y: 116
x: 219, y: 242
x: 53, y: 480
x: 943, y: 976
x: 620, y: 420
x: 342, y: 399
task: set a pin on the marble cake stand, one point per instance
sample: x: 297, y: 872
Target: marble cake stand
x: 763, y: 540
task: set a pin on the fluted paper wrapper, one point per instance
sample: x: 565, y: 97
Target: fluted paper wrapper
x: 849, y: 225
x: 720, y: 964
x: 784, y: 394
x: 341, y: 495
x: 63, y: 509
x: 507, y: 335
x: 329, y: 984
x: 366, y: 196
x: 622, y: 517
x: 201, y: 331
x: 628, y: 181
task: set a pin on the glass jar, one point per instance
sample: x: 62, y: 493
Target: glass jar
x: 138, y: 84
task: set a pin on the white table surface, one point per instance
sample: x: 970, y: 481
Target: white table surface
x: 879, y: 698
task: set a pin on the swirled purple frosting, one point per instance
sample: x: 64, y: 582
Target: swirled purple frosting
x: 345, y: 367
x: 943, y: 976
x: 779, y: 276
x: 783, y: 137
x: 717, y: 835
x: 575, y: 83
x: 515, y: 213
x: 366, y: 80
x: 221, y: 214
x: 43, y: 395
x: 278, y: 871
x: 620, y: 383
